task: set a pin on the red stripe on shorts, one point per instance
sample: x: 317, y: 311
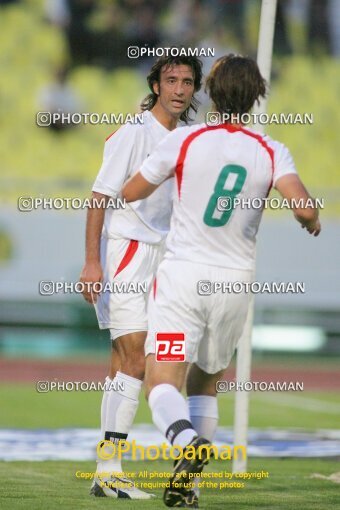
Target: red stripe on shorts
x: 128, y: 256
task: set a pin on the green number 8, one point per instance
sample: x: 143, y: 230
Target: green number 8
x: 229, y: 194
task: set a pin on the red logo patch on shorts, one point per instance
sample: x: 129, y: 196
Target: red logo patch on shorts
x: 170, y: 347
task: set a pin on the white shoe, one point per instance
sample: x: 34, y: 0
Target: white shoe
x: 114, y: 487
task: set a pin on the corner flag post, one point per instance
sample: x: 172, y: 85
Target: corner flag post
x: 243, y: 360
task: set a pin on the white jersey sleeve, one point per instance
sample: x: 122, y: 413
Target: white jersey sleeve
x: 283, y: 161
x: 163, y: 160
x: 118, y: 154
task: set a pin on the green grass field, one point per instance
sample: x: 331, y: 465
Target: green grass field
x: 36, y: 485
x: 80, y: 409
x: 41, y: 485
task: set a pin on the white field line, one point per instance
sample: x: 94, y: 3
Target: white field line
x: 305, y: 403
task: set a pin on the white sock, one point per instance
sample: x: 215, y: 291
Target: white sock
x: 204, y: 418
x: 103, y: 413
x: 103, y: 407
x: 121, y: 408
x: 170, y: 414
x: 204, y: 415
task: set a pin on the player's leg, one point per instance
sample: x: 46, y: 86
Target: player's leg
x: 110, y: 384
x: 102, y: 308
x: 170, y: 414
x: 202, y: 400
x: 227, y: 314
x: 163, y: 383
x: 226, y: 317
x: 128, y: 313
x: 123, y: 400
x: 173, y: 310
x: 115, y: 358
x: 121, y: 407
x: 201, y: 391
x: 114, y: 367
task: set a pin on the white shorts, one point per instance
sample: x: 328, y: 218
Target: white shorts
x: 212, y: 324
x: 129, y: 267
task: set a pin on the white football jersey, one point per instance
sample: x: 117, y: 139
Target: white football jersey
x: 145, y: 220
x: 213, y: 165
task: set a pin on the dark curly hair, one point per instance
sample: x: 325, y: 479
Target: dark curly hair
x: 154, y: 77
x: 234, y: 84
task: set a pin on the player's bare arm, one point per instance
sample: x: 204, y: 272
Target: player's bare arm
x: 92, y: 270
x: 291, y: 188
x: 137, y: 188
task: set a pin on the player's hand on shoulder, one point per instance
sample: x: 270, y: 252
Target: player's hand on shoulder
x: 92, y: 273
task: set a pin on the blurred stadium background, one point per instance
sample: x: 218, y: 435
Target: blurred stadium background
x: 71, y: 54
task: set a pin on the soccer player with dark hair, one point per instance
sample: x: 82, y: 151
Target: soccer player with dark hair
x: 208, y: 244
x: 125, y: 245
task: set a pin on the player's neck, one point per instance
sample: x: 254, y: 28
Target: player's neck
x: 164, y: 118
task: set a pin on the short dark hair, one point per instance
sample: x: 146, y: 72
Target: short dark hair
x: 234, y: 84
x: 155, y: 75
